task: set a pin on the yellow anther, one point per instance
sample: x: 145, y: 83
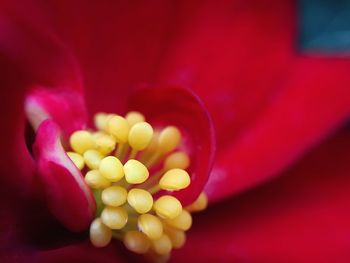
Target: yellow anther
x: 169, y: 139
x: 95, y: 180
x: 119, y: 128
x: 101, y: 120
x: 182, y: 222
x: 105, y: 144
x: 97, y: 135
x: 167, y: 207
x: 114, y: 217
x: 81, y: 141
x: 162, y: 246
x: 140, y: 200
x: 140, y: 136
x: 100, y: 234
x: 153, y: 227
x: 93, y: 158
x: 177, y: 160
x: 137, y: 242
x: 150, y: 225
x: 135, y: 172
x: 111, y: 168
x: 77, y: 159
x: 177, y: 237
x: 152, y: 146
x: 134, y: 117
x: 175, y: 179
x: 114, y: 196
x: 200, y: 204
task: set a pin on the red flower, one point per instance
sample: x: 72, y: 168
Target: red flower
x: 270, y: 107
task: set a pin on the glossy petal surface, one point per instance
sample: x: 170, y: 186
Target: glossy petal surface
x: 69, y: 198
x: 180, y: 107
x: 312, y: 103
x: 301, y: 217
x: 65, y: 107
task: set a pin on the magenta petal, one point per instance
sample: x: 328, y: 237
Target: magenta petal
x: 303, y: 216
x: 68, y: 197
x: 65, y: 107
x: 29, y: 44
x: 182, y: 108
x: 313, y: 101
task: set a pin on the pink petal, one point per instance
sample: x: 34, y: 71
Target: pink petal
x: 313, y: 101
x: 68, y: 197
x: 302, y: 217
x: 234, y: 55
x: 182, y: 108
x: 65, y: 107
x: 80, y: 252
x: 29, y: 55
x: 119, y: 44
x: 29, y: 44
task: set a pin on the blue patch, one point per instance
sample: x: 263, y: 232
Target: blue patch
x: 324, y: 26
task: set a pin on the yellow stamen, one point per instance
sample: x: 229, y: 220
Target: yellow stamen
x: 119, y: 128
x: 177, y: 160
x: 140, y: 136
x: 101, y: 121
x: 77, y: 159
x: 135, y: 172
x: 177, y: 237
x: 182, y: 222
x: 105, y: 144
x: 114, y: 196
x: 175, y: 179
x: 200, y: 204
x: 100, y: 234
x: 169, y: 139
x: 141, y: 200
x: 137, y: 242
x: 111, y: 168
x: 93, y: 158
x: 152, y: 146
x: 162, y: 246
x: 167, y: 206
x: 121, y: 150
x: 95, y: 180
x: 81, y: 141
x: 150, y: 225
x: 114, y: 217
x: 125, y: 162
x: 134, y: 117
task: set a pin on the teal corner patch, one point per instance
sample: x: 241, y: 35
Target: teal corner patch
x: 324, y: 26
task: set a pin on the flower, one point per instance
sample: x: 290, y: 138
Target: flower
x: 122, y: 163
x: 55, y: 110
x: 270, y: 105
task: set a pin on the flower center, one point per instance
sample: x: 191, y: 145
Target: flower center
x: 126, y: 163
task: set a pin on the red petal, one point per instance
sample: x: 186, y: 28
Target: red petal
x: 29, y: 54
x: 81, y: 252
x: 302, y: 217
x: 313, y: 101
x: 29, y: 44
x: 65, y: 107
x: 234, y: 54
x: 119, y: 44
x: 182, y: 108
x: 68, y: 197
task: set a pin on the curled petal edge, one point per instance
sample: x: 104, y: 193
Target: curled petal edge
x: 69, y: 198
x: 65, y: 107
x: 184, y: 109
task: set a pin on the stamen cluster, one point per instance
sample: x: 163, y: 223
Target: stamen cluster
x: 126, y: 162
